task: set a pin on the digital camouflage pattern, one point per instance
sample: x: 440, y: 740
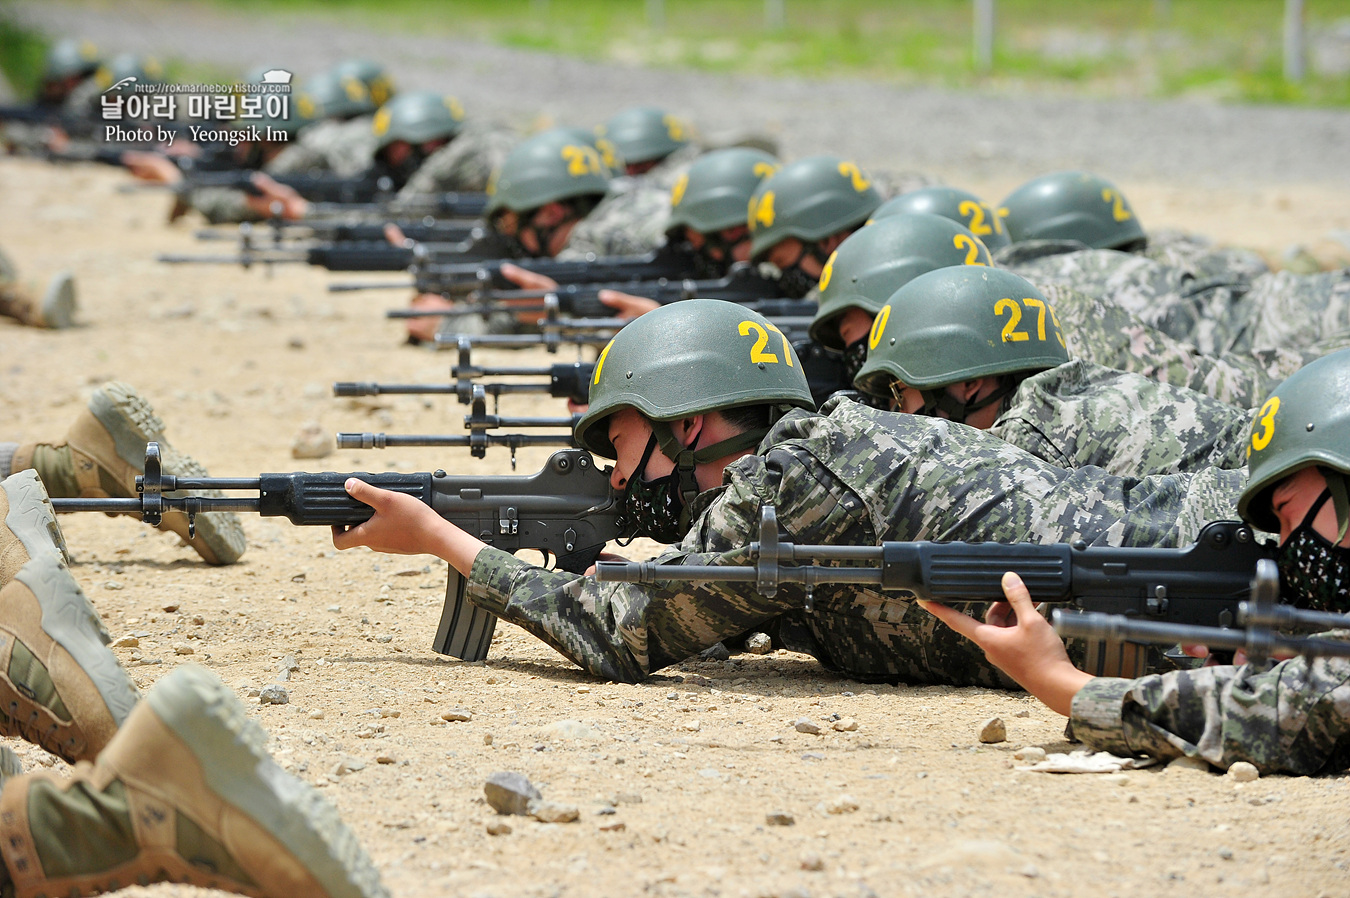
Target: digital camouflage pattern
x: 666, y: 172
x: 851, y: 475
x: 629, y: 221
x: 1289, y: 718
x: 465, y: 163
x: 1201, y: 257
x: 221, y: 205
x: 1291, y: 311
x: 343, y: 148
x: 1099, y: 331
x: 1081, y: 414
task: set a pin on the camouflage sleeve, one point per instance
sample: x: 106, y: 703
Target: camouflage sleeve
x: 1292, y: 311
x: 466, y: 163
x: 222, y: 205
x: 629, y: 223
x: 1291, y: 718
x: 297, y: 159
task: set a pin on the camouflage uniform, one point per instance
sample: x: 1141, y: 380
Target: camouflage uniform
x: 1287, y: 718
x: 1081, y: 414
x: 465, y: 163
x: 1291, y: 311
x: 1202, y: 258
x: 666, y: 172
x: 849, y: 476
x: 1099, y: 331
x: 629, y: 221
x: 343, y: 148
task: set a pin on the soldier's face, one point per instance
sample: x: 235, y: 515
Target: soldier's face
x: 1296, y: 494
x: 791, y: 252
x: 854, y: 325
x: 629, y: 432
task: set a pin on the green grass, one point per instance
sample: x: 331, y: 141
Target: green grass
x: 1228, y: 49
x: 21, y: 56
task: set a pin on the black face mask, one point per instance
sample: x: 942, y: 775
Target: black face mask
x: 794, y: 282
x: 655, y: 507
x: 1314, y: 572
x: 855, y: 356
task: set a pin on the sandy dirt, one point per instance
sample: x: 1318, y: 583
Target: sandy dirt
x: 674, y: 779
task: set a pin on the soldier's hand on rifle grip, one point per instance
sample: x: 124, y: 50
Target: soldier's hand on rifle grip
x: 627, y: 305
x: 293, y: 205
x: 526, y: 279
x: 423, y: 330
x: 1021, y: 643
x: 403, y: 525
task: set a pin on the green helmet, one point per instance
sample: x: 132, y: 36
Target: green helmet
x: 1072, y: 205
x: 957, y: 324
x: 417, y: 118
x: 874, y: 262
x: 128, y: 65
x: 950, y: 202
x: 70, y: 57
x: 1305, y: 422
x: 644, y: 134
x: 809, y: 199
x: 609, y: 154
x: 712, y: 195
x: 373, y: 75
x: 547, y: 168
x: 687, y: 358
x: 333, y: 95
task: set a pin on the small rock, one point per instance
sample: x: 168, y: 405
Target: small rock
x: 993, y: 730
x: 510, y: 793
x: 617, y: 826
x: 758, y: 644
x: 1226, y: 853
x: 842, y: 804
x: 316, y: 714
x: 1243, y: 771
x: 182, y: 648
x: 548, y: 812
x: 692, y: 726
x: 845, y: 725
x: 1184, y: 763
x: 457, y: 715
x: 487, y: 738
x: 807, y: 725
x: 1031, y: 753
x: 296, y: 343
x: 311, y: 442
x: 198, y: 620
x: 126, y: 642
x: 715, y: 652
x: 348, y: 765
x: 289, y: 663
x: 274, y: 695
x: 385, y: 759
x: 1023, y: 713
x: 779, y: 818
x: 171, y: 607
x: 498, y: 828
x: 813, y: 862
x: 626, y: 798
x: 112, y: 584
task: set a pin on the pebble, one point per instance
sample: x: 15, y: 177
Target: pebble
x: 1032, y: 753
x: 274, y: 695
x: 715, y: 652
x: 779, y: 818
x: 457, y: 715
x: 385, y: 759
x: 348, y: 765
x: 993, y: 730
x: 626, y: 798
x: 1184, y: 763
x: 182, y: 648
x: 842, y: 804
x: 498, y: 828
x: 112, y: 584
x: 807, y: 725
x: 510, y: 793
x: 617, y: 826
x: 548, y: 812
x: 758, y: 644
x: 813, y: 862
x: 1243, y: 771
x: 198, y: 620
x: 845, y: 725
x: 289, y: 663
x: 692, y: 726
x: 311, y: 442
x: 126, y: 642
x: 171, y: 607
x: 316, y: 714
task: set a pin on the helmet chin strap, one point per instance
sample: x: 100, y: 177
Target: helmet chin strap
x: 940, y: 400
x: 686, y: 458
x: 1339, y: 486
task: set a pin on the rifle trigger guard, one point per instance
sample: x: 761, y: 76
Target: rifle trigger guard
x: 151, y: 486
x: 766, y: 569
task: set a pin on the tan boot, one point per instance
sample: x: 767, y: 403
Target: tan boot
x: 104, y: 451
x: 55, y: 310
x: 27, y: 524
x: 184, y: 793
x: 60, y: 685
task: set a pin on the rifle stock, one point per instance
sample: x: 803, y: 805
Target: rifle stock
x: 566, y: 510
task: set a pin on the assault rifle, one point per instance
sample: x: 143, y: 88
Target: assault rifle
x: 278, y: 232
x: 566, y: 510
x: 742, y: 286
x: 450, y: 277
x: 481, y: 426
x: 376, y: 255
x: 565, y: 381
x: 1201, y: 584
x: 366, y: 190
x: 1259, y: 622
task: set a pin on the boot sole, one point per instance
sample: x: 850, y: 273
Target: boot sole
x: 58, y: 303
x: 31, y: 517
x: 211, y: 721
x: 133, y: 423
x: 72, y: 623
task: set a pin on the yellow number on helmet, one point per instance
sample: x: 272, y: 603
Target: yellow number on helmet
x: 1265, y: 421
x: 1118, y: 209
x: 456, y: 110
x: 677, y: 192
x: 763, y: 170
x: 855, y: 176
x: 356, y: 91
x: 827, y: 271
x: 761, y: 211
x: 581, y: 161
x: 600, y: 362
x: 974, y: 249
x: 608, y: 153
x: 878, y: 327
x: 307, y: 108
x: 675, y: 128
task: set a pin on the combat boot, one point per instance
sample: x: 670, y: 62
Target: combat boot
x: 27, y: 524
x: 56, y: 309
x: 104, y: 451
x: 187, y: 793
x: 60, y: 685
